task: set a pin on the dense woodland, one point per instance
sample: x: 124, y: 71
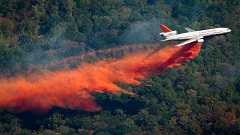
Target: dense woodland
x: 200, y: 97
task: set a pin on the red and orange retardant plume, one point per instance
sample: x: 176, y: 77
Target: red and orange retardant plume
x: 73, y: 89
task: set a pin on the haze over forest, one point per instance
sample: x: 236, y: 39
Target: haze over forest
x: 202, y: 96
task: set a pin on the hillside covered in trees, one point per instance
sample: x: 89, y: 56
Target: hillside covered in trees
x: 199, y: 97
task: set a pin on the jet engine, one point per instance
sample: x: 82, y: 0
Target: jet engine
x: 172, y: 33
x: 200, y: 40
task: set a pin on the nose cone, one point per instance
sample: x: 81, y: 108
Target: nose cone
x: 228, y: 30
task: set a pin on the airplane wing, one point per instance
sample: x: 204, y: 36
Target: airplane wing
x: 189, y: 29
x: 199, y: 39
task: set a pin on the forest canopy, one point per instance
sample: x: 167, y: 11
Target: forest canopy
x: 200, y: 97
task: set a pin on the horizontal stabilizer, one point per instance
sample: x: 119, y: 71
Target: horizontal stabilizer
x: 189, y: 29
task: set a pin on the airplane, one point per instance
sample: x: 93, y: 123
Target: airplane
x: 191, y: 35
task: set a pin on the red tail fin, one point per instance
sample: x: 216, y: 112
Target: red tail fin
x: 164, y: 28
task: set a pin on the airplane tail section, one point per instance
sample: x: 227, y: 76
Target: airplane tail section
x: 164, y: 28
x: 166, y: 31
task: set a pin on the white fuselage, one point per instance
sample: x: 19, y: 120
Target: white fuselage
x: 203, y: 34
